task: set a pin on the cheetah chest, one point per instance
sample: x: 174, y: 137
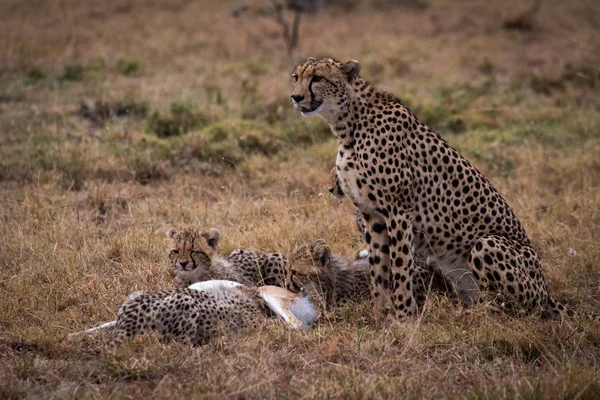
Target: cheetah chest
x: 349, y: 176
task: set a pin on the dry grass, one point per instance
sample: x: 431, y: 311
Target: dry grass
x: 522, y: 105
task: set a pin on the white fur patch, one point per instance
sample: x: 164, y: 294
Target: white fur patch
x: 95, y: 329
x: 214, y: 286
x: 311, y: 113
x: 135, y: 294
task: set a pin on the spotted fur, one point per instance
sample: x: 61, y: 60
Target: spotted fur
x: 194, y: 258
x: 331, y: 280
x: 188, y: 315
x: 337, y: 192
x: 418, y: 196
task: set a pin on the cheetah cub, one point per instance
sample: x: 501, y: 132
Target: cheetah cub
x: 205, y: 310
x: 194, y: 258
x: 331, y: 280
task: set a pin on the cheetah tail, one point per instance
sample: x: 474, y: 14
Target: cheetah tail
x: 95, y: 329
x: 556, y: 309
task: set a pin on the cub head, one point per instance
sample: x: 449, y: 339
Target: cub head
x: 192, y: 249
x: 307, y: 265
x: 321, y: 86
x: 335, y: 189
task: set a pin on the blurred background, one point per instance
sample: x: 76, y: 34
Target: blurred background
x: 202, y: 80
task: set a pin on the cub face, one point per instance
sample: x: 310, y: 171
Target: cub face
x: 192, y: 249
x: 307, y: 264
x: 320, y: 85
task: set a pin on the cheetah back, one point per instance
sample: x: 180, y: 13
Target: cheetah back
x: 187, y: 315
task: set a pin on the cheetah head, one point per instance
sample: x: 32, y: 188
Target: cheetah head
x: 192, y: 249
x: 321, y: 86
x: 307, y: 265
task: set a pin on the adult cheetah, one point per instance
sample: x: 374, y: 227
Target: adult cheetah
x: 194, y: 258
x: 417, y: 195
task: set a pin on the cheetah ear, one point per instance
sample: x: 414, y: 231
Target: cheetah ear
x: 212, y: 237
x: 351, y: 69
x: 171, y: 233
x: 301, y: 252
x: 320, y: 251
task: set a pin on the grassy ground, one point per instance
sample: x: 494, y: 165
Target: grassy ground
x: 119, y: 120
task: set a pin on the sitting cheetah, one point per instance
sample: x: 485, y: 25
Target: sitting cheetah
x: 331, y: 280
x: 194, y: 258
x: 204, y: 310
x: 417, y: 195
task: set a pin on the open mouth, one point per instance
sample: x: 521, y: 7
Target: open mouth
x: 315, y: 106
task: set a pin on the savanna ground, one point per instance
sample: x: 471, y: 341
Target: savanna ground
x: 120, y: 119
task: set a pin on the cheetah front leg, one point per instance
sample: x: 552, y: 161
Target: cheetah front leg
x: 400, y: 233
x: 377, y: 240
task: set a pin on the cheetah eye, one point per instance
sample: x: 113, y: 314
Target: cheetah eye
x: 174, y: 251
x: 317, y: 78
x: 295, y: 78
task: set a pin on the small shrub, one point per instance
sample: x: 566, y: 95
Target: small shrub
x: 545, y: 85
x: 585, y: 76
x: 374, y: 72
x: 213, y: 93
x: 36, y: 74
x: 96, y: 64
x: 128, y: 66
x: 100, y: 111
x: 279, y: 111
x: 230, y: 142
x: 131, y: 107
x: 73, y: 72
x: 304, y: 132
x: 434, y: 115
x: 254, y: 141
x: 146, y: 170
x: 163, y: 127
x: 456, y: 125
x: 182, y: 120
x: 486, y: 67
x: 385, y: 5
x: 73, y: 171
x: 454, y: 110
x: 399, y: 66
x: 212, y: 144
x: 256, y: 67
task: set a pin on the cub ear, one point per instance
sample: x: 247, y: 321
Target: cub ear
x: 351, y: 69
x: 212, y: 237
x: 300, y: 253
x: 320, y: 252
x: 171, y: 233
